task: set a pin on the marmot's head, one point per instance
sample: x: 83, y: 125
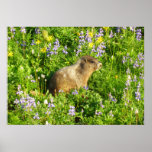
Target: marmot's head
x: 90, y: 63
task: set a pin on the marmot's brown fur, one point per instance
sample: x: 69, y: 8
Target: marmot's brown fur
x: 74, y: 76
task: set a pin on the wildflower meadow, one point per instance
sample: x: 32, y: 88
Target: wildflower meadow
x: 114, y: 95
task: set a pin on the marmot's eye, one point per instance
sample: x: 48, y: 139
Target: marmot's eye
x: 91, y: 61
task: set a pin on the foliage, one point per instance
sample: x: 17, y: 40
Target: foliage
x: 115, y: 93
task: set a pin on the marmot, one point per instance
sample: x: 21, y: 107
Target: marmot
x: 74, y: 76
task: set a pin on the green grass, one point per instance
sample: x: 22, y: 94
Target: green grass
x: 114, y: 97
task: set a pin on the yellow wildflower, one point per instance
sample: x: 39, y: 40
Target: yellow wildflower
x: 90, y: 45
x: 10, y: 54
x: 78, y: 34
x: 105, y: 28
x: 67, y: 62
x: 99, y: 40
x: 43, y: 50
x: 90, y: 34
x: 116, y: 76
x: 45, y: 34
x: 49, y: 38
x: 38, y: 42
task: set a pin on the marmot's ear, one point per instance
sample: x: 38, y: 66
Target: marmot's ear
x: 84, y: 59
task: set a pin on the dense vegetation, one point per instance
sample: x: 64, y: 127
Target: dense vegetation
x: 115, y: 93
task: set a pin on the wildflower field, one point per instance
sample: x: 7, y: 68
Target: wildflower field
x: 115, y: 93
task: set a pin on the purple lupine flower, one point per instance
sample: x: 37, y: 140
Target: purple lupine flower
x: 102, y: 106
x: 37, y: 31
x: 87, y: 37
x: 33, y: 81
x: 140, y: 57
x: 56, y: 42
x: 34, y: 105
x: 86, y: 87
x: 111, y: 114
x: 23, y: 43
x: 98, y: 113
x: 9, y: 38
x: 142, y: 65
x: 138, y: 86
x: 75, y: 92
x: 136, y: 65
x: 19, y: 92
x: 22, y: 101
x: 52, y: 105
x: 124, y: 59
x: 141, y: 76
x: 65, y: 52
x: 16, y: 101
x: 124, y: 27
x: 100, y: 49
x: 47, y: 49
x: 138, y: 95
x: 27, y: 102
x: 81, y: 41
x: 111, y: 34
x: 56, y: 45
x: 36, y: 116
x: 100, y: 33
x: 138, y: 34
x: 33, y: 43
x: 12, y: 29
x: 61, y: 90
x: 19, y: 87
x: 132, y: 28
x: 103, y: 45
x: 93, y: 49
x: 81, y: 38
x: 38, y: 103
x: 112, y: 98
x: 77, y: 53
x: 81, y: 33
x: 23, y: 30
x: 49, y: 105
x: 50, y: 53
x: 48, y: 112
x: 50, y: 45
x: 118, y: 30
x: 72, y: 111
x: 66, y: 47
x: 55, y: 52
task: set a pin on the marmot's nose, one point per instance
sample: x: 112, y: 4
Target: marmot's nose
x: 99, y: 64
